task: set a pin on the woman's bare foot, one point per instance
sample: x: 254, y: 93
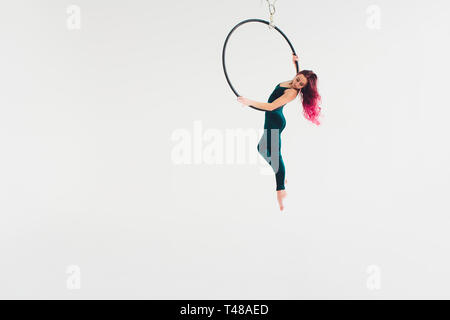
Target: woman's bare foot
x: 281, y: 194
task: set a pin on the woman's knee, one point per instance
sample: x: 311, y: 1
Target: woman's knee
x: 261, y: 149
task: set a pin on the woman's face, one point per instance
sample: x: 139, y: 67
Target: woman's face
x: 299, y: 82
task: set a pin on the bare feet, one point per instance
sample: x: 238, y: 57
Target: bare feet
x: 281, y: 194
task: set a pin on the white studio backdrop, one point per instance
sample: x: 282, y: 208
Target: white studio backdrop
x: 99, y: 96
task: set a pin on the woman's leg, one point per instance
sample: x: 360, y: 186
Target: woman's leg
x: 270, y: 149
x: 281, y: 173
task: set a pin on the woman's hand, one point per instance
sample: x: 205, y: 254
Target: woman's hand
x: 244, y: 101
x: 294, y: 58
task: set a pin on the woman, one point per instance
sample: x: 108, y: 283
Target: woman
x: 269, y: 146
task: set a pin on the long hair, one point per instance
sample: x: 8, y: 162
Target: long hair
x: 310, y: 97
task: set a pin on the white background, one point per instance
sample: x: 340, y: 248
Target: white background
x: 87, y: 176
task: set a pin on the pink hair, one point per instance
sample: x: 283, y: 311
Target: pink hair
x: 310, y: 97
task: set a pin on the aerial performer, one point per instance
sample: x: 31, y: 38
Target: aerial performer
x: 304, y: 85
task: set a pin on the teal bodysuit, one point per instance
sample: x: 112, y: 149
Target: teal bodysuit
x: 270, y: 144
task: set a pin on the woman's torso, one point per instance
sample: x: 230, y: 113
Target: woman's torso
x: 275, y: 119
x: 277, y: 92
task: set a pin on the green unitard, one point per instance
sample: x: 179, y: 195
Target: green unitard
x: 270, y: 144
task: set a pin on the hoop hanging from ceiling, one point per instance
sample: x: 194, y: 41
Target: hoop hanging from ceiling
x: 270, y: 24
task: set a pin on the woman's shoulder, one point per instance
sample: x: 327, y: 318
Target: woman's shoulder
x: 285, y: 84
